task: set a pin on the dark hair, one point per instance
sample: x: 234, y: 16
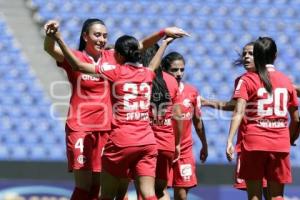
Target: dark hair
x: 169, y: 58
x: 160, y: 93
x: 85, y: 28
x: 239, y: 61
x: 264, y: 53
x: 148, y: 54
x: 128, y: 47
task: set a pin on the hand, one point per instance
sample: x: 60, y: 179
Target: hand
x: 168, y: 40
x: 175, y: 32
x: 203, y: 154
x: 51, y: 29
x: 177, y: 153
x: 230, y: 151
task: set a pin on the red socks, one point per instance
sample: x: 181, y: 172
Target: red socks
x: 79, y: 194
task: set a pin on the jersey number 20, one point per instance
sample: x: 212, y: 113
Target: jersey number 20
x: 279, y: 99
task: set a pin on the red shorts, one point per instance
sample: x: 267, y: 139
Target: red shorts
x: 184, y: 173
x: 84, y: 149
x: 274, y: 166
x: 164, y: 164
x: 240, y: 183
x: 129, y: 162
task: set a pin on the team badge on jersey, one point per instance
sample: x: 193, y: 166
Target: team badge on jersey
x: 186, y: 103
x: 81, y: 159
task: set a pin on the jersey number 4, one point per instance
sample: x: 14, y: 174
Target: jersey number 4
x: 279, y: 99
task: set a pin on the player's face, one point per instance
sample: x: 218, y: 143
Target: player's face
x: 177, y: 69
x: 96, y: 38
x: 248, y: 59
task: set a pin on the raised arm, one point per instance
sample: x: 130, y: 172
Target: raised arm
x: 200, y: 130
x: 150, y: 40
x: 155, y: 62
x: 220, y: 105
x: 237, y: 117
x: 49, y: 42
x: 53, y: 32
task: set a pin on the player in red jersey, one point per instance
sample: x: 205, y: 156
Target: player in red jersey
x: 131, y: 90
x: 264, y: 98
x: 89, y: 115
x: 246, y: 59
x: 163, y: 110
x: 184, y: 169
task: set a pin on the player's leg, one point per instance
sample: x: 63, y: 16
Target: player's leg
x: 144, y: 171
x: 145, y: 185
x: 184, y: 176
x: 79, y: 153
x: 276, y: 190
x: 161, y: 189
x: 180, y: 193
x: 163, y: 169
x: 254, y: 189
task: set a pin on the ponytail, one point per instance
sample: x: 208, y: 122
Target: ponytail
x: 264, y: 53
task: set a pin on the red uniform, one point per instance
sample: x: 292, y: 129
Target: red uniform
x: 89, y: 116
x: 131, y: 133
x: 266, y: 126
x: 184, y: 170
x: 161, y: 123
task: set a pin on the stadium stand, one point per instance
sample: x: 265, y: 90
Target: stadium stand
x: 26, y: 125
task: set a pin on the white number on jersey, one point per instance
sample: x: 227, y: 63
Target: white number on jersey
x: 79, y: 144
x: 135, y: 90
x: 279, y: 99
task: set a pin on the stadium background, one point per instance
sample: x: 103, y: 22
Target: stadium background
x: 34, y: 93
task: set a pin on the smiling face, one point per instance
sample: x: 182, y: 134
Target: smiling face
x: 95, y: 38
x: 248, y: 59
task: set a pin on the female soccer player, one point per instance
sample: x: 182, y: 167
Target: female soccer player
x: 164, y: 108
x: 264, y: 97
x: 184, y: 169
x: 89, y: 116
x: 246, y: 59
x: 131, y: 89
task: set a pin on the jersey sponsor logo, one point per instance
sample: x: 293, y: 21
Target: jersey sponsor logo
x: 186, y: 116
x: 81, y: 159
x: 186, y: 103
x: 107, y: 67
x: 87, y: 77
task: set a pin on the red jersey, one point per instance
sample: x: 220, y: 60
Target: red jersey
x: 131, y: 91
x: 162, y: 121
x: 242, y: 125
x: 190, y: 102
x: 90, y: 103
x: 267, y: 115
